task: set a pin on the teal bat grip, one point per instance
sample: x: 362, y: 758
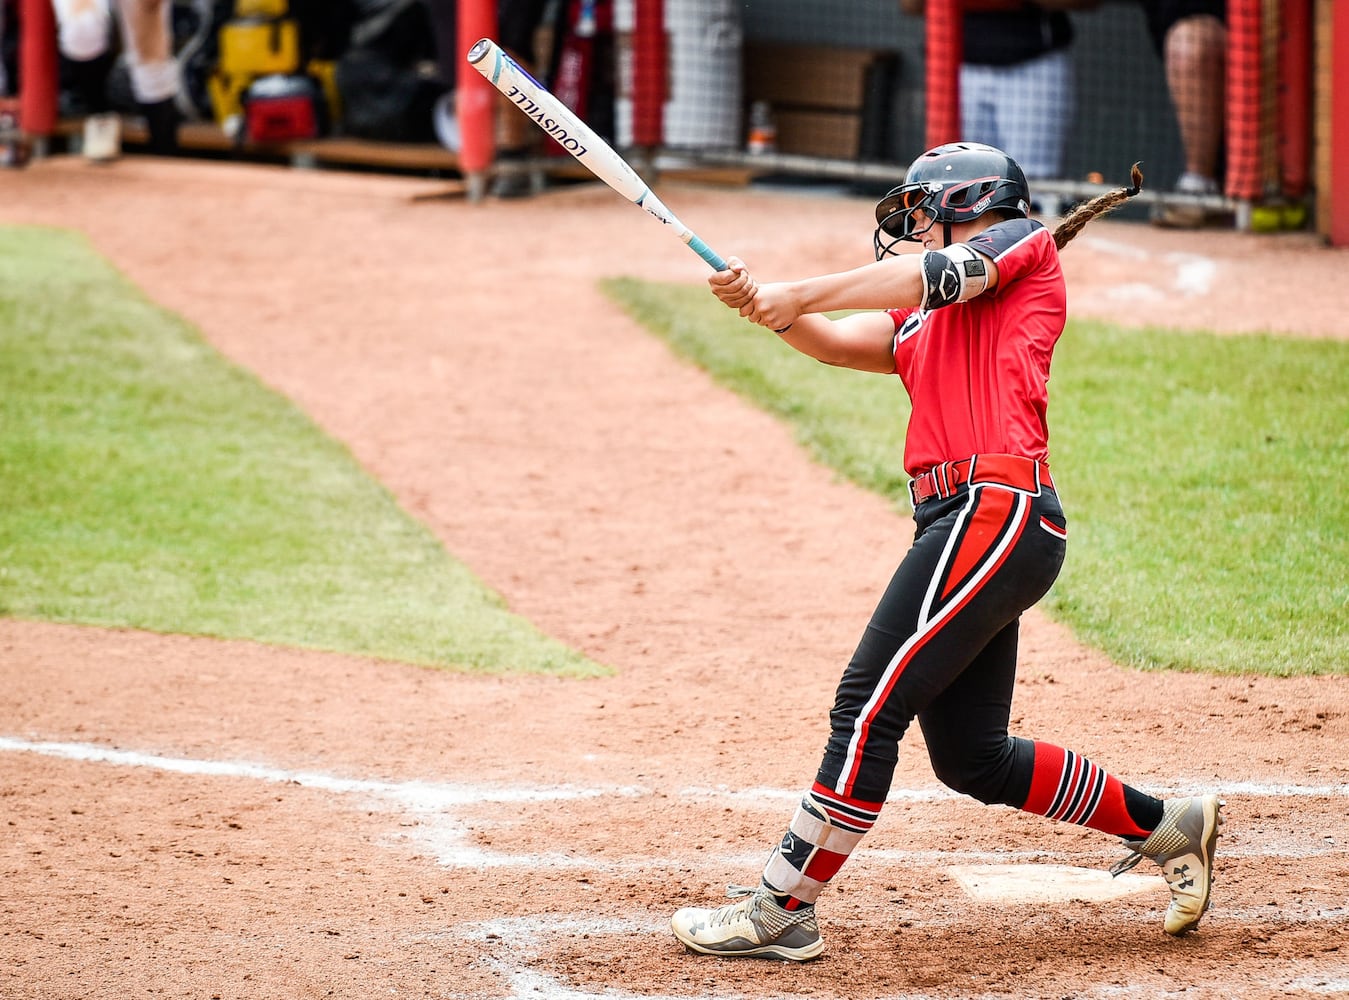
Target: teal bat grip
x: 707, y: 253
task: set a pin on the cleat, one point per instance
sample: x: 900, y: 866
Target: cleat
x: 1178, y: 213
x: 1182, y: 845
x: 754, y: 927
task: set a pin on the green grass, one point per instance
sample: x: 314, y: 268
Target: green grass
x: 1206, y: 478
x: 1209, y: 477
x: 147, y: 482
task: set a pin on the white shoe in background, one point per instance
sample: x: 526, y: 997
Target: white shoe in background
x: 102, y: 137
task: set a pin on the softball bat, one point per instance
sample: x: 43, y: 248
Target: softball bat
x: 578, y: 139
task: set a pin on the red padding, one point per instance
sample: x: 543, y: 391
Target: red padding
x: 1295, y: 96
x: 1243, y: 99
x: 475, y: 97
x: 945, y: 45
x: 649, y: 80
x: 37, y: 68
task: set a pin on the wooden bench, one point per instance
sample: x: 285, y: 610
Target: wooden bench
x: 339, y: 151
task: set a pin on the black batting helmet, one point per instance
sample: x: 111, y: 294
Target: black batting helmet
x: 953, y: 183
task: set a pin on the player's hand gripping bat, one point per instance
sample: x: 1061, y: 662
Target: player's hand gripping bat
x: 578, y: 139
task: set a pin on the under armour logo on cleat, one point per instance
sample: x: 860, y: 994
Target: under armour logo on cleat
x: 1184, y: 872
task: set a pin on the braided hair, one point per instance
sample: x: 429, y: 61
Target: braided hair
x: 1100, y: 205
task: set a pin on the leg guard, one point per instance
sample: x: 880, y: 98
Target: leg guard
x: 815, y: 846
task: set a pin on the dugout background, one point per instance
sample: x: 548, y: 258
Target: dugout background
x: 854, y: 95
x: 1123, y: 107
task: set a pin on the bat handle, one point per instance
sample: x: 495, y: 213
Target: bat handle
x: 706, y: 253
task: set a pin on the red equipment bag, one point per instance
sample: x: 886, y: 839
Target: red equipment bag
x: 282, y: 108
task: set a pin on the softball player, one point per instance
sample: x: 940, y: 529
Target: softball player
x: 979, y: 312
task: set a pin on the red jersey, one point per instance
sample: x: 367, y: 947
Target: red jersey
x: 977, y: 372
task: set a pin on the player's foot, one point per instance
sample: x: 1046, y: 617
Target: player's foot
x: 1182, y: 845
x: 1186, y: 210
x: 102, y: 137
x: 754, y: 927
x: 1184, y: 215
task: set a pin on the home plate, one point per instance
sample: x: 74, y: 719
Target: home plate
x: 1047, y: 883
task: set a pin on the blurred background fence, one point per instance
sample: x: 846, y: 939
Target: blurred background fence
x: 857, y: 90
x: 1240, y: 114
x: 1076, y: 90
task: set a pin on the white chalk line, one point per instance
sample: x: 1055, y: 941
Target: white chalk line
x: 447, y: 837
x: 417, y: 794
x: 525, y: 938
x: 441, y: 795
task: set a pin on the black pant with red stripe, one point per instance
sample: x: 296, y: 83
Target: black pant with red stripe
x: 942, y: 647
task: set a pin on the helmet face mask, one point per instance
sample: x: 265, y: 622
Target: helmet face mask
x: 954, y: 183
x: 909, y: 198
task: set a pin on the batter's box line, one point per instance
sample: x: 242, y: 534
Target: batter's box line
x: 522, y: 938
x: 434, y: 795
x: 447, y: 836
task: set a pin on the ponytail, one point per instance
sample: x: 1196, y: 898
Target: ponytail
x: 1100, y: 205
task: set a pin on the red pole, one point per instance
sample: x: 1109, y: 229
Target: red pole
x: 1295, y: 96
x: 1243, y: 99
x: 1339, y: 126
x: 945, y: 47
x: 649, y: 82
x: 475, y: 97
x: 37, y: 68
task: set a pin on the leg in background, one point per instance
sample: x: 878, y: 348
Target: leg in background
x: 965, y: 729
x: 148, y: 32
x: 1196, y: 59
x: 83, y: 28
x: 85, y: 38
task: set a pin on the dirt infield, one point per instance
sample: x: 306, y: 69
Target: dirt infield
x: 192, y: 818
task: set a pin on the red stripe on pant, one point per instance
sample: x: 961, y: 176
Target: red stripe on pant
x: 981, y: 534
x: 933, y: 625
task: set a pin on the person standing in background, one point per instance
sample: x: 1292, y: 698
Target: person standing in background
x: 85, y: 38
x: 1017, y: 90
x: 1190, y: 36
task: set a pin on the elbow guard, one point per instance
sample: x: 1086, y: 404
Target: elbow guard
x: 952, y: 275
